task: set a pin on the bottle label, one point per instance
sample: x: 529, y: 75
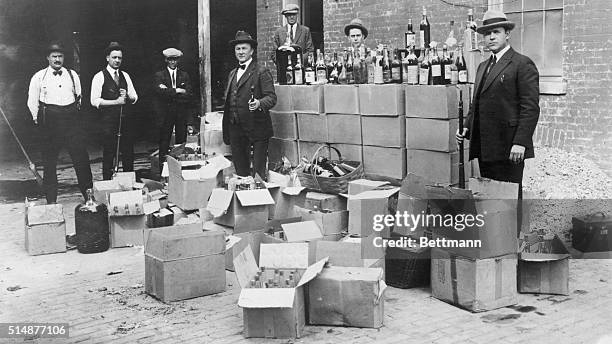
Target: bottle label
x: 463, y: 77
x: 289, y: 78
x: 422, y: 38
x: 310, y: 77
x: 378, y: 75
x: 413, y: 74
x: 396, y: 74
x: 423, y: 76
x: 321, y: 75
x: 298, y: 77
x: 410, y: 39
x: 447, y: 72
x: 454, y: 77
x: 436, y: 70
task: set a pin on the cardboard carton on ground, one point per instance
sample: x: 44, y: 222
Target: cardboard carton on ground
x: 438, y: 167
x: 360, y: 185
x: 103, y: 188
x: 308, y: 98
x: 364, y: 207
x: 433, y: 101
x: 45, y: 229
x: 236, y: 243
x: 312, y: 127
x: 279, y: 148
x: 344, y: 128
x: 284, y: 124
x: 126, y: 180
x: 183, y: 262
x: 127, y: 230
x: 190, y: 189
x: 296, y: 230
x: 275, y: 312
x: 384, y: 131
x: 545, y: 273
x: 329, y: 222
x: 384, y: 161
x: 349, y: 251
x: 382, y: 100
x: 474, y: 284
x: 284, y: 100
x: 244, y: 210
x: 285, y: 199
x: 126, y: 203
x: 412, y: 200
x: 347, y: 296
x: 341, y: 99
x: 431, y: 134
x: 322, y: 201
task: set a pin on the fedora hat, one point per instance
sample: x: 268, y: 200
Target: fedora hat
x: 243, y: 37
x: 55, y: 46
x: 356, y: 24
x: 493, y: 19
x: 112, y: 46
x: 290, y: 9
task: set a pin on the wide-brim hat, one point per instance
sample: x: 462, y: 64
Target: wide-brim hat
x: 493, y: 19
x: 356, y: 24
x: 112, y: 46
x: 243, y: 37
x: 172, y: 53
x: 55, y: 46
x: 290, y: 9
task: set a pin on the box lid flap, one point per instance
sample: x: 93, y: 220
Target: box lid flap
x: 151, y: 207
x: 493, y: 189
x: 542, y: 257
x: 376, y: 194
x: 106, y: 185
x: 302, y: 231
x: 284, y: 256
x: 249, y: 198
x: 364, y: 182
x: 219, y: 201
x: 279, y: 179
x: 276, y: 225
x: 41, y: 214
x: 125, y: 180
x: 414, y: 186
x: 213, y: 167
x: 245, y: 266
x: 293, y: 190
x: 230, y: 241
x: 266, y: 298
x: 312, y: 272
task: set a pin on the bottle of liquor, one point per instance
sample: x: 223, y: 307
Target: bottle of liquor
x: 436, y: 68
x: 371, y: 62
x: 412, y: 70
x: 309, y: 72
x: 410, y: 36
x: 321, y: 69
x: 447, y: 65
x: 357, y: 70
x: 470, y: 36
x: 363, y: 54
x: 333, y: 75
x: 289, y: 72
x: 350, y: 77
x: 342, y: 69
x: 451, y: 40
x: 330, y: 66
x: 396, y: 68
x: 461, y: 66
x: 425, y: 68
x: 298, y: 75
x: 386, y: 67
x: 404, y: 61
x: 424, y: 30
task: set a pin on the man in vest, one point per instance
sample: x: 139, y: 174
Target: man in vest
x: 54, y: 99
x: 112, y: 92
x: 249, y: 96
x: 297, y: 34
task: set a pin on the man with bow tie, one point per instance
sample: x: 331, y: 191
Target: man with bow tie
x: 297, y: 34
x: 249, y: 95
x: 112, y: 92
x: 172, y: 102
x: 505, y: 106
x: 54, y: 100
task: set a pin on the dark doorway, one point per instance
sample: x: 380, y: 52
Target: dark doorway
x: 312, y: 16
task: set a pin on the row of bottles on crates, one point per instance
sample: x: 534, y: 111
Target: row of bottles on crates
x: 429, y: 63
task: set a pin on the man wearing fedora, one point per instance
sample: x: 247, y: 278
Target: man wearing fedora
x: 249, y: 95
x: 356, y: 33
x: 505, y: 108
x: 54, y: 100
x: 172, y: 102
x: 298, y: 34
x: 112, y: 92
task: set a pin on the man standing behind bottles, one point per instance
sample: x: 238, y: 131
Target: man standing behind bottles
x: 112, y: 92
x: 174, y: 95
x: 54, y: 99
x: 356, y: 33
x: 298, y: 34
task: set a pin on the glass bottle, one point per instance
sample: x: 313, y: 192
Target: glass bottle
x: 409, y: 36
x: 424, y: 30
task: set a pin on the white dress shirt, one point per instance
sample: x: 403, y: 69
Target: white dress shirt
x: 52, y: 89
x: 241, y: 71
x: 501, y: 53
x: 172, y: 76
x: 98, y: 81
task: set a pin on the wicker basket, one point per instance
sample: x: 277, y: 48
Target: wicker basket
x: 331, y: 185
x: 407, y: 267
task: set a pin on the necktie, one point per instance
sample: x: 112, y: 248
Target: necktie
x: 291, y: 30
x: 242, y: 66
x: 116, y: 77
x: 173, y: 80
x: 57, y: 72
x: 491, y: 64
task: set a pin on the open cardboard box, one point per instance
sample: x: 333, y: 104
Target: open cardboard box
x: 545, y: 273
x: 275, y: 312
x: 285, y: 198
x: 329, y: 223
x: 126, y: 203
x: 364, y: 206
x: 244, y: 210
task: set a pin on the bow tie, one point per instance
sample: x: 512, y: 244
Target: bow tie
x: 242, y: 66
x: 57, y: 72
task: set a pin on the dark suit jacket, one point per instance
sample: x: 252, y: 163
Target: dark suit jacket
x: 257, y: 124
x: 302, y: 38
x: 508, y: 108
x: 168, y: 100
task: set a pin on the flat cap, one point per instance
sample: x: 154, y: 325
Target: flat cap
x: 290, y: 9
x: 172, y: 52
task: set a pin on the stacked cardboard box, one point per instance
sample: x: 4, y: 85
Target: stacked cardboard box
x: 431, y: 124
x: 45, y: 229
x: 344, y: 120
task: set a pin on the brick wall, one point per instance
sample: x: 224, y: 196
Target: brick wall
x: 578, y: 121
x: 268, y: 20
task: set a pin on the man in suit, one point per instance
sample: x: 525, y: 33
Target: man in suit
x: 297, y: 34
x: 112, y: 93
x: 249, y: 95
x: 172, y: 102
x: 356, y: 33
x: 505, y: 108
